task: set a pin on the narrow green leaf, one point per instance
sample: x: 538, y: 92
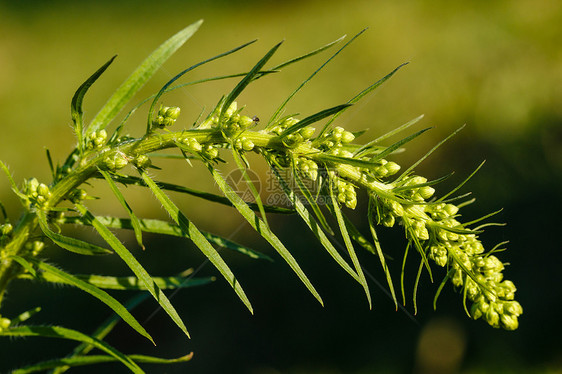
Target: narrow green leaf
x: 379, y: 251
x: 26, y: 265
x: 242, y: 167
x: 3, y: 211
x: 462, y: 183
x: 313, y: 118
x: 51, y: 166
x: 76, y: 104
x: 198, y: 239
x: 416, y: 284
x: 135, y: 266
x: 262, y: 229
x: 311, y: 201
x: 313, y: 226
x: 347, y: 240
x: 64, y: 333
x: 131, y: 180
x: 347, y: 160
x: 68, y: 243
x: 102, y: 331
x: 279, y: 110
x: 25, y: 316
x: 403, y: 272
x: 134, y: 220
x: 441, y: 286
x: 22, y: 197
x: 179, y: 75
x: 365, y: 148
x: 397, y: 145
x: 307, y: 55
x: 166, y: 228
x: 361, y: 94
x: 413, y: 166
x: 140, y: 76
x: 96, y: 359
x: 60, y: 276
x: 128, y: 283
x: 246, y: 80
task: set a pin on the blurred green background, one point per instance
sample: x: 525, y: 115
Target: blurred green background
x: 493, y: 65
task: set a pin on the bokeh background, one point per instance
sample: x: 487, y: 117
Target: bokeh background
x: 493, y: 65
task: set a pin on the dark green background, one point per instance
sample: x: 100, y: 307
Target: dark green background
x: 494, y: 65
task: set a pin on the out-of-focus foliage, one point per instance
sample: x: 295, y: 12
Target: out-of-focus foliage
x: 494, y: 65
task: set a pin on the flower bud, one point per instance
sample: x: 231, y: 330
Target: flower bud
x: 392, y: 168
x: 4, y: 323
x: 307, y: 132
x: 142, y: 161
x: 347, y: 137
x: 245, y: 122
x: 6, y: 229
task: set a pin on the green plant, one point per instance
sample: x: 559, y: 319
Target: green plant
x: 319, y: 170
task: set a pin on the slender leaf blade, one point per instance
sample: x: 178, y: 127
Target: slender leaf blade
x: 262, y: 229
x: 135, y: 266
x: 198, y: 239
x: 76, y: 103
x: 68, y: 243
x: 347, y: 240
x: 314, y: 227
x: 76, y: 361
x: 69, y: 334
x: 134, y: 220
x: 140, y: 76
x: 66, y: 278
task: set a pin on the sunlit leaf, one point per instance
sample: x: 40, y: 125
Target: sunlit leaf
x: 198, y: 239
x: 140, y: 76
x: 135, y: 266
x: 64, y: 333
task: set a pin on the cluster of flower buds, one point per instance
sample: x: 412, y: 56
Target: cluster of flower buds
x: 283, y: 125
x: 298, y: 137
x: 233, y: 123
x: 244, y: 144
x: 209, y: 152
x: 385, y: 168
x: 114, y: 161
x: 5, y: 231
x: 335, y: 138
x: 307, y: 167
x: 166, y: 116
x: 77, y: 195
x: 345, y: 193
x: 34, y: 247
x: 96, y: 139
x: 36, y: 192
x: 142, y: 161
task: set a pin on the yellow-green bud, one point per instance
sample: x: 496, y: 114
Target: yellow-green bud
x: 245, y: 122
x: 307, y: 132
x: 142, y: 161
x: 210, y: 152
x: 347, y: 137
x: 6, y: 229
x: 392, y: 168
x: 231, y: 109
x: 4, y: 323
